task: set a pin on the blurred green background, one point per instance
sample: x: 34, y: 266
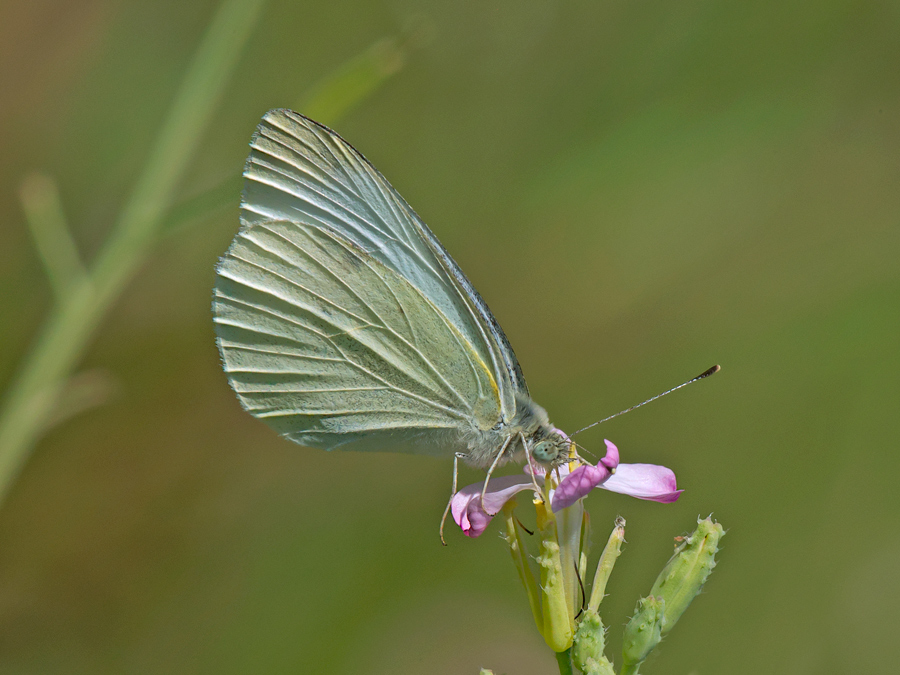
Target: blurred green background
x: 638, y: 189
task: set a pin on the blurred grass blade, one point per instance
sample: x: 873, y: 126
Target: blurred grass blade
x: 338, y: 93
x: 82, y: 392
x: 192, y: 210
x: 179, y: 137
x: 47, y: 222
x: 327, y: 102
x: 32, y: 397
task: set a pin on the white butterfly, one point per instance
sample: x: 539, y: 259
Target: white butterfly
x: 344, y: 323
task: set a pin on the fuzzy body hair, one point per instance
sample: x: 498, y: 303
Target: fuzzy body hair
x: 530, y: 421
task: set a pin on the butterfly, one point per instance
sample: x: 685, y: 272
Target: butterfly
x: 342, y: 322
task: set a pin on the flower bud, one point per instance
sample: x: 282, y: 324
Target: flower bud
x: 605, y: 565
x: 587, y: 652
x: 643, y: 632
x: 687, y: 571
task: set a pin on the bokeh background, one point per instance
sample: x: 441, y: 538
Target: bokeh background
x: 638, y: 189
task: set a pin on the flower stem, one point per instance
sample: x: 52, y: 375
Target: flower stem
x: 517, y: 550
x: 564, y: 660
x: 569, y: 524
x: 67, y: 331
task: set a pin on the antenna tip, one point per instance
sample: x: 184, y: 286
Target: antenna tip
x: 711, y: 371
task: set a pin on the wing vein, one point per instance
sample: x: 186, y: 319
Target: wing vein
x: 384, y: 324
x: 388, y: 198
x: 400, y: 390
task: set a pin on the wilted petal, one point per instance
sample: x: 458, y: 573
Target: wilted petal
x: 466, y: 504
x: 577, y: 484
x: 644, y: 481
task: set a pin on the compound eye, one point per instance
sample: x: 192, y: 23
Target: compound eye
x: 545, y: 453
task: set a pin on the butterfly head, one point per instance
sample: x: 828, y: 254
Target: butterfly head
x: 550, y: 446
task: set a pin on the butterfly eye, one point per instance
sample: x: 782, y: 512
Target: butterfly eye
x: 545, y: 452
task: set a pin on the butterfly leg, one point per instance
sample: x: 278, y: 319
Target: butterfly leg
x: 456, y: 457
x: 490, y: 471
x: 531, y: 466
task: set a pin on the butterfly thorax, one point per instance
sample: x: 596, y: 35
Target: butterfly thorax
x: 546, y: 444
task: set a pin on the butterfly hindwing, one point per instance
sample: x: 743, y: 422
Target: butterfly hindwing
x: 331, y: 347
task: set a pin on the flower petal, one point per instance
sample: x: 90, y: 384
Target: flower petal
x: 644, y: 481
x: 611, y: 460
x: 585, y: 478
x: 466, y: 504
x: 577, y: 484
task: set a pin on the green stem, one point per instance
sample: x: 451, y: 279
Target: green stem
x: 328, y: 101
x: 47, y: 222
x: 340, y: 91
x: 629, y: 669
x: 569, y: 523
x: 564, y: 660
x: 517, y: 549
x: 71, y: 324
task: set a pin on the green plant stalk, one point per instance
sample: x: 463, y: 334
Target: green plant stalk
x: 585, y: 547
x: 342, y: 90
x: 517, y: 550
x: 69, y: 327
x: 327, y: 102
x: 47, y: 222
x: 569, y: 523
x: 564, y: 661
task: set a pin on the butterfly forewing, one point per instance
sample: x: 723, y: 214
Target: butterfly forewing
x: 331, y: 347
x: 300, y: 171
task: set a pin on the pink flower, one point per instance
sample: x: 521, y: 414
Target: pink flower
x: 644, y: 481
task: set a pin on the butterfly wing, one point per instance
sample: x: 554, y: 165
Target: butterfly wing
x: 331, y: 347
x: 301, y: 171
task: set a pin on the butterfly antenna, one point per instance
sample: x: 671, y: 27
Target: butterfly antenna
x: 581, y: 447
x: 701, y: 376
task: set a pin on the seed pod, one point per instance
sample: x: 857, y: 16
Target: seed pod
x: 643, y: 632
x: 684, y: 575
x: 587, y: 652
